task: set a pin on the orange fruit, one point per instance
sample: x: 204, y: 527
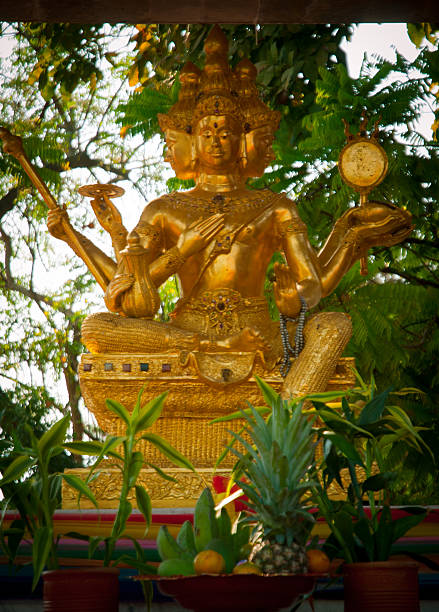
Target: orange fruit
x: 318, y: 561
x: 246, y: 567
x: 209, y: 562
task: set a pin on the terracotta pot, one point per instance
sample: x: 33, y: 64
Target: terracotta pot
x: 81, y: 590
x: 381, y: 586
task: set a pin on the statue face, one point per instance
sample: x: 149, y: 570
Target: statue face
x: 178, y: 153
x: 259, y: 150
x: 217, y: 144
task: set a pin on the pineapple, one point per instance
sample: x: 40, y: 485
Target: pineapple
x: 277, y: 470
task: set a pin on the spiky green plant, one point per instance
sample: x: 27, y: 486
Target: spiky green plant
x: 276, y: 475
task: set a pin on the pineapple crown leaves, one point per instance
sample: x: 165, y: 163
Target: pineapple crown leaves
x: 277, y: 466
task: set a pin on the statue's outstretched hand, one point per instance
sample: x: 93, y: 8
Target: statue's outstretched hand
x: 199, y: 234
x: 285, y: 292
x: 56, y: 219
x: 379, y: 224
x: 117, y: 286
x: 106, y: 213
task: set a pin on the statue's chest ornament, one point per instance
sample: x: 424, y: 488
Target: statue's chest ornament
x: 223, y: 244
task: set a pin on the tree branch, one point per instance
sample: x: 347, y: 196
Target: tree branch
x: 7, y: 202
x: 410, y: 277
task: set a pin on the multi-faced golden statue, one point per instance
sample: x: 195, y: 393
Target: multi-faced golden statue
x: 218, y: 239
x: 220, y: 236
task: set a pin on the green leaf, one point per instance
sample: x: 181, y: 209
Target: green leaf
x: 169, y: 451
x: 344, y: 531
x: 363, y: 532
x: 144, y: 505
x: 118, y: 410
x: 239, y: 414
x: 134, y: 468
x: 17, y: 468
x: 269, y: 394
x: 384, y: 537
x: 150, y: 413
x: 42, y: 543
x: 77, y: 483
x: 109, y: 444
x: 120, y: 521
x: 93, y: 545
x: 402, y: 525
x: 53, y: 437
x: 373, y: 410
x: 136, y: 408
x: 377, y: 482
x: 346, y: 448
x: 84, y: 448
x: 324, y: 396
x: 161, y: 473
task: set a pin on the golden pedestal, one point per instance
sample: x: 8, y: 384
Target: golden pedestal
x: 200, y: 389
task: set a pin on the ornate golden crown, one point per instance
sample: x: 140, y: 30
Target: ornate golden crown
x: 216, y: 90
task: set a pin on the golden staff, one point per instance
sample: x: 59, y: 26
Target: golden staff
x: 362, y: 165
x: 14, y: 146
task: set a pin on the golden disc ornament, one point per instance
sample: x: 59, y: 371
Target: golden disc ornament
x: 362, y: 164
x: 99, y: 190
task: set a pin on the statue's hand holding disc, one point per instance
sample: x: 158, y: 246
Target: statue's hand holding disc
x: 104, y: 209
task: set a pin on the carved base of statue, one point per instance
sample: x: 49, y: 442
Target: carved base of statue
x: 201, y: 387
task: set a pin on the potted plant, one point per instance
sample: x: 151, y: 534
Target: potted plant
x: 29, y: 486
x: 129, y: 460
x: 365, y: 444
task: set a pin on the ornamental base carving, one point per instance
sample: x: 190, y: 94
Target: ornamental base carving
x: 200, y: 389
x: 164, y: 494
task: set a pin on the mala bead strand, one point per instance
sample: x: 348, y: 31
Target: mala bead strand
x: 299, y: 341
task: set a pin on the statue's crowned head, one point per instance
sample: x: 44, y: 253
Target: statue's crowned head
x: 218, y: 104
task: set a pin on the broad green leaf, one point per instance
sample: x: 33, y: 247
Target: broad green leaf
x: 377, y: 482
x: 329, y: 416
x: 17, y: 468
x: 79, y: 485
x: 144, y: 504
x: 402, y: 525
x: 346, y: 448
x: 373, y: 410
x: 149, y: 413
x: 119, y: 410
x: 53, y: 437
x: 169, y: 451
x: 42, y: 543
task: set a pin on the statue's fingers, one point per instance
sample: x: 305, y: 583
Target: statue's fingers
x: 212, y: 232
x: 212, y: 221
x: 282, y: 273
x: 195, y: 223
x: 115, y: 212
